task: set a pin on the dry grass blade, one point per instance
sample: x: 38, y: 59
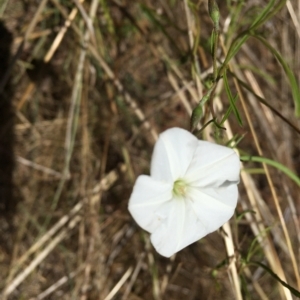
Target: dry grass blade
x: 119, y: 284
x: 85, y: 88
x: 40, y: 257
x: 280, y: 213
x: 35, y: 19
x: 232, y: 261
x: 293, y: 16
x: 46, y: 237
x: 134, y: 276
x: 36, y: 166
x: 60, y: 35
x: 129, y: 100
x: 56, y: 286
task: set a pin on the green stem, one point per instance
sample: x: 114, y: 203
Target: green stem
x: 216, y: 41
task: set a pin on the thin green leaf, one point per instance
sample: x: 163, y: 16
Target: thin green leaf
x: 226, y: 115
x: 273, y: 163
x: 212, y: 42
x: 254, y: 246
x: 254, y: 171
x: 288, y: 72
x: 262, y: 16
x: 232, y: 100
x: 241, y: 215
x: 151, y: 16
x: 292, y: 290
x: 260, y: 72
x: 268, y: 12
x: 264, y: 102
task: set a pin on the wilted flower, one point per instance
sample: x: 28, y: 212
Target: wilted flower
x: 192, y: 190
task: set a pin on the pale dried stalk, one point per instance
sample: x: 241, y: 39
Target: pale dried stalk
x: 293, y: 17
x: 54, y: 46
x: 166, y: 278
x: 257, y: 227
x: 38, y: 167
x: 275, y: 259
x: 274, y: 194
x: 256, y: 89
x: 134, y: 276
x: 129, y: 100
x: 105, y: 184
x: 44, y: 239
x: 180, y: 93
x: 35, y: 19
x: 257, y: 287
x: 59, y: 37
x: 178, y: 73
x: 156, y: 290
x: 74, y: 109
x: 124, y: 233
x: 26, y: 125
x: 56, y: 285
x: 33, y: 36
x: 228, y: 239
x: 89, y: 33
x: 120, y: 283
x: 35, y: 262
x: 27, y: 35
x: 88, y: 18
x: 270, y: 251
x: 269, y: 127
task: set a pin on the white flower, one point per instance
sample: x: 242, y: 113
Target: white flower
x: 191, y: 192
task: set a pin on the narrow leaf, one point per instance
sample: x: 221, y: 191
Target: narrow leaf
x: 292, y: 290
x: 273, y: 163
x: 232, y: 101
x: 288, y: 72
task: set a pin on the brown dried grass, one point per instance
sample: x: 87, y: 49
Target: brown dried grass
x: 88, y: 100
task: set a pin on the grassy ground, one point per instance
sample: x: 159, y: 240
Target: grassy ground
x: 86, y: 87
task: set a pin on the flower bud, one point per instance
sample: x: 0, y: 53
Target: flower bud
x: 214, y: 13
x: 196, y: 116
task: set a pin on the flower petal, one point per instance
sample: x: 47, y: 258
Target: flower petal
x: 213, y: 165
x: 181, y: 229
x: 211, y: 173
x: 173, y: 153
x: 192, y: 218
x: 146, y: 202
x: 214, y: 207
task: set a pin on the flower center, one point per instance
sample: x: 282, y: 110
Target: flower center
x: 179, y: 188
